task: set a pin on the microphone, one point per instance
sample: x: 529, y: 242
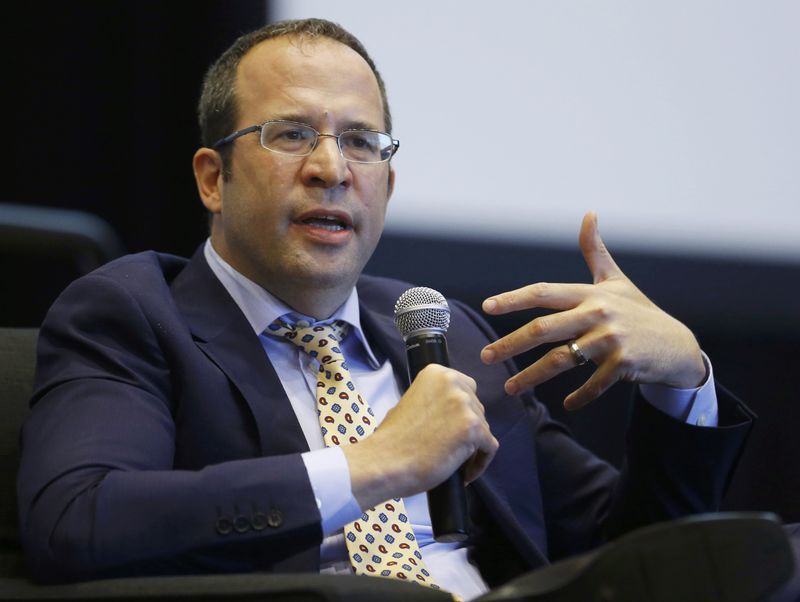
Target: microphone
x: 422, y: 316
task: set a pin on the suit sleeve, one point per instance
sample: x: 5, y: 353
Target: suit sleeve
x: 98, y: 491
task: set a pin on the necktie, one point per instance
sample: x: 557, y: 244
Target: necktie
x: 381, y: 543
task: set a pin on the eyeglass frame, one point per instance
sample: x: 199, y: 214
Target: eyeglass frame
x: 259, y: 127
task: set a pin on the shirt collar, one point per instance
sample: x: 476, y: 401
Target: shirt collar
x: 261, y: 308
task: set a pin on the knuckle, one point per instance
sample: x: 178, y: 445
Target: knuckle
x: 430, y: 370
x: 463, y: 398
x: 508, y: 299
x: 615, y: 338
x: 503, y: 346
x: 542, y: 290
x: 561, y: 357
x: 475, y: 424
x: 625, y: 362
x: 538, y: 327
x: 622, y: 361
x: 600, y: 312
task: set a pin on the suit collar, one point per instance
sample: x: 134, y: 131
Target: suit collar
x: 383, y: 337
x: 261, y: 308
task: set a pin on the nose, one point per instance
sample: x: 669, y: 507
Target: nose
x: 325, y: 166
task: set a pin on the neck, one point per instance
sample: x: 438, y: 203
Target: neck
x: 317, y: 304
x: 308, y: 296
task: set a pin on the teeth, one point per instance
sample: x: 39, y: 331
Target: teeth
x: 331, y: 227
x: 326, y: 222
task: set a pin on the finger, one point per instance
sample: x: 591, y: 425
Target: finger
x: 545, y: 329
x: 542, y: 294
x: 597, y: 384
x: 453, y: 377
x: 554, y: 362
x: 594, y: 250
x: 468, y: 383
x: 480, y: 460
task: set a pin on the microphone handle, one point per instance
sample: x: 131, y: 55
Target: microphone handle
x: 447, y: 502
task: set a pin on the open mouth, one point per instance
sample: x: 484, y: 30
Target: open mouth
x: 326, y: 222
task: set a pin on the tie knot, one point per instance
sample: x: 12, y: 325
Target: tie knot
x: 314, y: 339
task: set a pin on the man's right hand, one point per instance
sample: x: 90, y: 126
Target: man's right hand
x: 435, y: 428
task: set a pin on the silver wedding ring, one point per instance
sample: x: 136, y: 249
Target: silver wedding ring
x: 576, y: 352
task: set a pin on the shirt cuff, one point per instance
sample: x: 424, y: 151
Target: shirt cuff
x: 696, y: 406
x: 328, y: 473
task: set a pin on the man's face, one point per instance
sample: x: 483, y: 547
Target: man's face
x: 303, y: 226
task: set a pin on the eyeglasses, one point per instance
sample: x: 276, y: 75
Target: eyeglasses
x: 300, y: 140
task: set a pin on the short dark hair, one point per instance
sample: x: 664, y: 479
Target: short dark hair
x: 217, y: 108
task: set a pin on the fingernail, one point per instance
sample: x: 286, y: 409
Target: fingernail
x: 489, y: 305
x: 488, y: 355
x: 512, y: 387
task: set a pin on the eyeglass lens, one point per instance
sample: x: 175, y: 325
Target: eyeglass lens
x: 363, y: 146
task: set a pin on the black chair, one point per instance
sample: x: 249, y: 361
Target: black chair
x: 43, y: 249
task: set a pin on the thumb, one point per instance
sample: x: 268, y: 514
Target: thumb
x: 597, y: 257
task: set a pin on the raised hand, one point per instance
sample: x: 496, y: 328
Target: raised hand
x: 612, y: 323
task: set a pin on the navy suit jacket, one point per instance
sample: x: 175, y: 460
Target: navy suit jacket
x: 160, y: 440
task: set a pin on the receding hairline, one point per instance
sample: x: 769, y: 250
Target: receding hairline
x: 300, y: 40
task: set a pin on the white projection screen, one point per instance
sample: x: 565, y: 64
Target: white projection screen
x: 679, y: 122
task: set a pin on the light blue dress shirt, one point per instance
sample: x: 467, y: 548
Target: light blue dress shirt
x: 327, y: 467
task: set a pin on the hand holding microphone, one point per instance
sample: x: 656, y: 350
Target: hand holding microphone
x: 436, y: 431
x: 422, y: 316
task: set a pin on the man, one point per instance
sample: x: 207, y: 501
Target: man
x: 172, y: 431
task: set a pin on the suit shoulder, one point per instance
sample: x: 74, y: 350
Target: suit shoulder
x: 141, y: 278
x: 142, y: 267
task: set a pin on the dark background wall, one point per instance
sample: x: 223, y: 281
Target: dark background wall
x: 101, y: 118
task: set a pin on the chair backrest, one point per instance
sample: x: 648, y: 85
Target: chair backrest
x: 17, y: 364
x: 43, y: 249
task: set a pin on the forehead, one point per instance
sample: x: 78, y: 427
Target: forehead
x: 318, y: 78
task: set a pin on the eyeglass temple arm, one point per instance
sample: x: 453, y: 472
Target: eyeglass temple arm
x: 234, y: 136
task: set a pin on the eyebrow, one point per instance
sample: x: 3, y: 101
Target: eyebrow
x: 300, y: 118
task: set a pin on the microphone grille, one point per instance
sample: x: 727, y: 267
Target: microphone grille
x: 421, y: 309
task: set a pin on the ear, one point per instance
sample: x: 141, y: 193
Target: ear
x: 390, y: 184
x: 207, y: 165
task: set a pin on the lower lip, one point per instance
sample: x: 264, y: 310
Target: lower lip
x: 323, y: 235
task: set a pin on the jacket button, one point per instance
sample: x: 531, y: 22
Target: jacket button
x: 224, y: 526
x: 275, y: 518
x: 241, y: 524
x: 258, y: 520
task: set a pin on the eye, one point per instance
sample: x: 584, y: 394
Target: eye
x: 294, y: 134
x: 361, y: 140
x: 286, y: 136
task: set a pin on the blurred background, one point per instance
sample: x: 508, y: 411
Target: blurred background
x: 676, y: 121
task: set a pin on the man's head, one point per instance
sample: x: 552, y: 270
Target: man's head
x: 217, y: 108
x: 302, y: 227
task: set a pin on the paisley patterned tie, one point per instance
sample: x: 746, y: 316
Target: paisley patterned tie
x: 381, y: 543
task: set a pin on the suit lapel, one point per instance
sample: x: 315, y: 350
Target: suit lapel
x: 222, y: 332
x: 384, y: 339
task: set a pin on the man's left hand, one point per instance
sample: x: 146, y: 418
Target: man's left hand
x: 613, y: 323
